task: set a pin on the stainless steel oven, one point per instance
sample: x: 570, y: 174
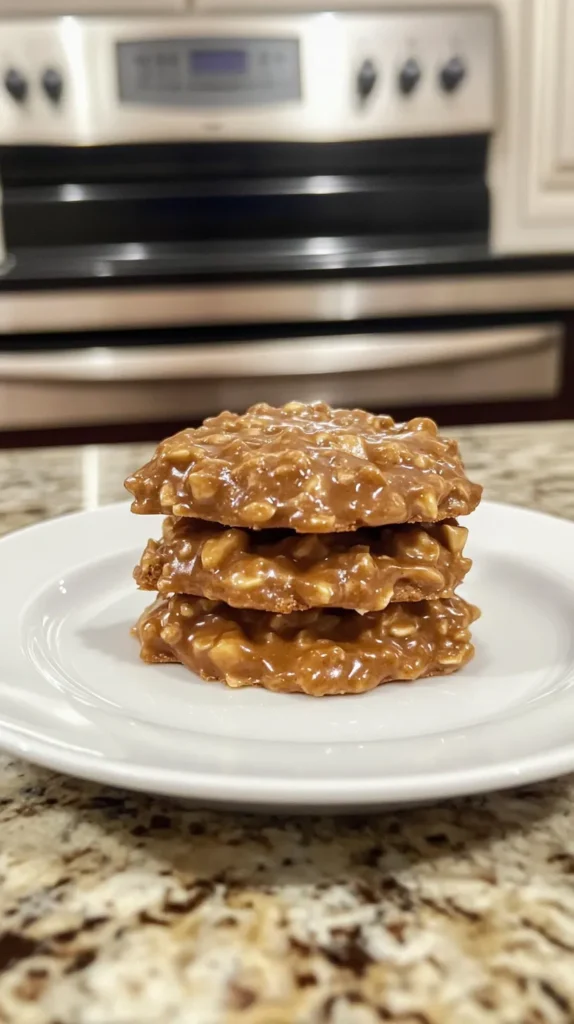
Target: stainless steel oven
x: 163, y: 382
x: 204, y: 210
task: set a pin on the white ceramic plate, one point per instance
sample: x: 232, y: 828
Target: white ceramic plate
x: 75, y: 697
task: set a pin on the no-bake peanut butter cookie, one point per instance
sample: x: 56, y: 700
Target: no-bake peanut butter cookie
x: 316, y: 652
x: 280, y: 571
x: 308, y: 468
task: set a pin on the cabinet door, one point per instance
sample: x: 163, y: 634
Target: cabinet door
x: 553, y: 109
x: 533, y: 155
x: 564, y: 90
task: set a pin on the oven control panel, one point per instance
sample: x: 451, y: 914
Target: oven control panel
x: 311, y: 77
x: 215, y: 72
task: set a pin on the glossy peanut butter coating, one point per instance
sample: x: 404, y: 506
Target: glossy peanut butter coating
x: 281, y: 571
x: 308, y: 468
x: 318, y: 652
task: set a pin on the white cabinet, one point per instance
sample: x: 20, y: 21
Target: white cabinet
x: 551, y: 40
x: 559, y: 56
x: 532, y: 156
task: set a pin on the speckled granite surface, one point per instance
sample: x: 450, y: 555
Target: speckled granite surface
x: 123, y: 909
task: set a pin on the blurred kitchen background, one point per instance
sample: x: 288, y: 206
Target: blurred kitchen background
x: 206, y: 203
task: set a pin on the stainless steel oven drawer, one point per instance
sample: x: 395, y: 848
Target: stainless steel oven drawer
x: 131, y: 385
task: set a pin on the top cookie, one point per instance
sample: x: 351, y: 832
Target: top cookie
x: 308, y: 468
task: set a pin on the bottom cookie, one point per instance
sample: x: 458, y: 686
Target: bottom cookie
x: 317, y: 652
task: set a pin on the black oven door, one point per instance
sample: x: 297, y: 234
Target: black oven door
x: 237, y: 213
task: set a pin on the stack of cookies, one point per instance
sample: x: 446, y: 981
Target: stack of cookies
x: 306, y: 550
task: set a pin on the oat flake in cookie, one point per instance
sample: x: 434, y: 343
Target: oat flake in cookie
x: 316, y: 652
x: 309, y: 468
x: 282, y: 571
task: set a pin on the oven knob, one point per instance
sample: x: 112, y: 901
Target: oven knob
x: 409, y: 76
x: 452, y: 74
x: 16, y: 84
x: 366, y: 79
x: 53, y: 84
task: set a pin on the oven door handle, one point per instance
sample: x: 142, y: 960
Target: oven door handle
x: 293, y: 357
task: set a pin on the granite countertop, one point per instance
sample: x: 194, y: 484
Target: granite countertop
x: 117, y: 908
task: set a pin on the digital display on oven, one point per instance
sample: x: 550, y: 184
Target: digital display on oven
x: 203, y: 72
x: 218, y: 62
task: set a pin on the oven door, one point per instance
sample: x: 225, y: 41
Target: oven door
x: 163, y: 382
